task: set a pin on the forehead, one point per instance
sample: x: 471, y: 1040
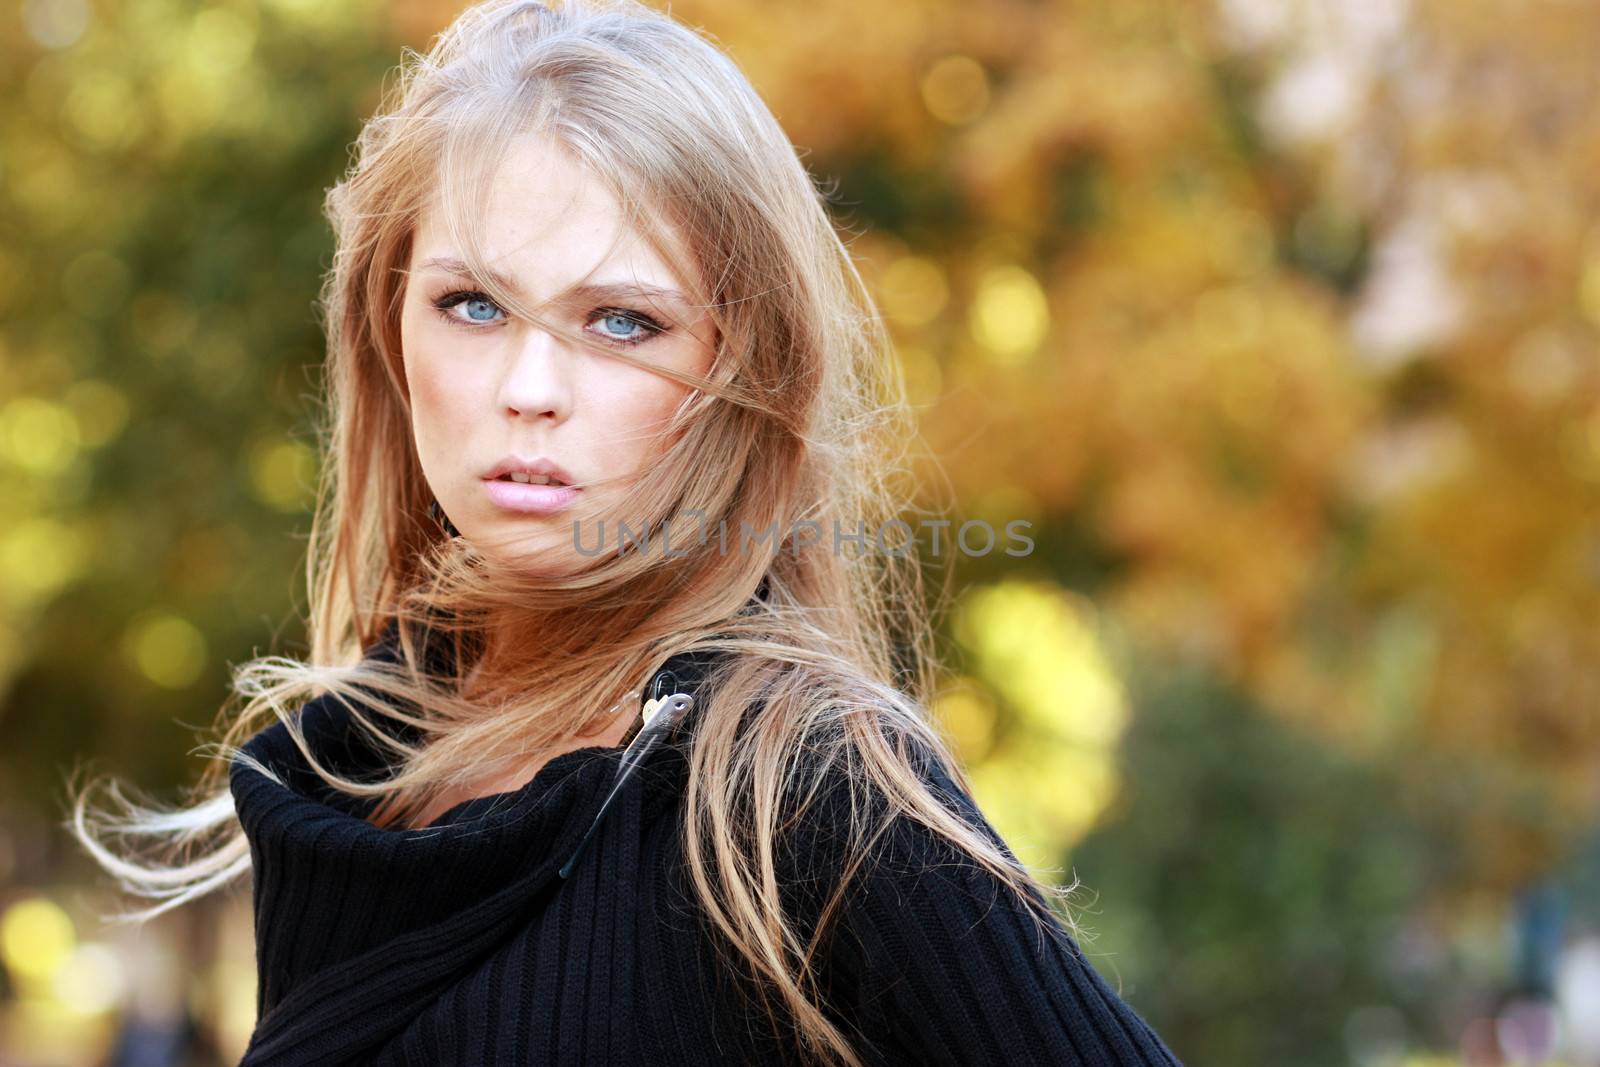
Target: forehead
x: 548, y: 221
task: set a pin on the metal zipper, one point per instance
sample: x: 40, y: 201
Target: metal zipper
x: 661, y: 715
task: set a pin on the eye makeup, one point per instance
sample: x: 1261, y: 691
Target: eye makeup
x: 648, y: 327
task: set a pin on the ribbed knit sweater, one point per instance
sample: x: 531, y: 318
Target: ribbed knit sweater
x: 460, y: 943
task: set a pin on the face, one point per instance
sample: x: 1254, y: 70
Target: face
x: 488, y: 388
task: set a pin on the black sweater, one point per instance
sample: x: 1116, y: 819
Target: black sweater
x: 462, y: 943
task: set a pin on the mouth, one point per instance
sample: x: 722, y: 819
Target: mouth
x: 529, y: 470
x: 523, y: 478
x: 530, y: 494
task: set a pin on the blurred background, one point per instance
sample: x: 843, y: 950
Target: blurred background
x: 1276, y: 318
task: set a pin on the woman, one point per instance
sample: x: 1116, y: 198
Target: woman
x: 609, y: 404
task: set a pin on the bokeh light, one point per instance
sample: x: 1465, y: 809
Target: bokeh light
x: 1276, y: 321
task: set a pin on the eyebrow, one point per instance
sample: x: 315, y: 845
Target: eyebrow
x: 600, y: 290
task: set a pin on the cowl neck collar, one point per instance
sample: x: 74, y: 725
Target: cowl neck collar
x: 460, y: 881
x: 337, y: 741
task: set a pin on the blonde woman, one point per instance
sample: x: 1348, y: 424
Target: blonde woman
x: 611, y: 746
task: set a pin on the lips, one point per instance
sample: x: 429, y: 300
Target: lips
x: 530, y: 465
x: 528, y: 498
x: 524, y: 478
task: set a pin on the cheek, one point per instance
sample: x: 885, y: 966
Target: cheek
x: 441, y: 396
x: 431, y: 390
x: 430, y: 377
x: 636, y: 407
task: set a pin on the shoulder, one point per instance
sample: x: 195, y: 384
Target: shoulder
x: 938, y: 958
x: 828, y: 789
x: 843, y: 834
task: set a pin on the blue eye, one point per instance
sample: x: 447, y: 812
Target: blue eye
x: 644, y: 327
x: 474, y: 302
x: 618, y: 320
x: 621, y: 325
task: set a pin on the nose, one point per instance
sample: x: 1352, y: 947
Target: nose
x: 538, y: 380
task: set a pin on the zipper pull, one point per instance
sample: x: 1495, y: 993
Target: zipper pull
x: 660, y: 716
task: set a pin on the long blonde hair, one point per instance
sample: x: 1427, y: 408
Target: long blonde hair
x: 803, y: 411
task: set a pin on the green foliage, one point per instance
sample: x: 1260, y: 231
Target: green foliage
x: 1256, y: 888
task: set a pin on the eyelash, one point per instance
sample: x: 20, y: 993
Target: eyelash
x: 443, y: 303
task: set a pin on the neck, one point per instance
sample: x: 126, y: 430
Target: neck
x: 622, y: 712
